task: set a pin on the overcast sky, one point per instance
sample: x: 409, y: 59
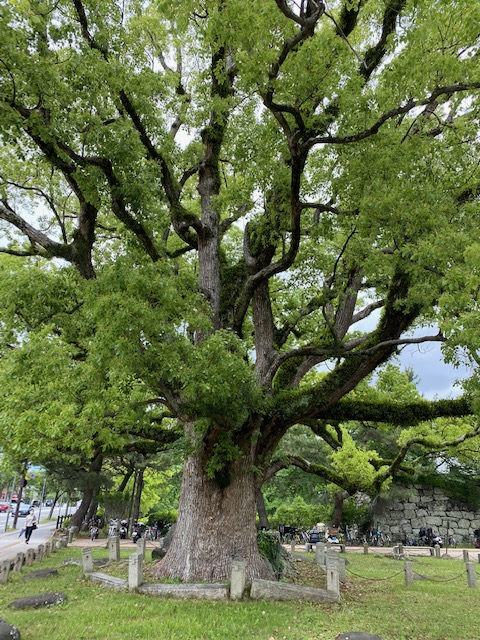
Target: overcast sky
x: 435, y: 378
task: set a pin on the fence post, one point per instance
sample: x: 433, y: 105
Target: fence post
x: 141, y: 547
x: 365, y: 547
x: 30, y: 557
x: 47, y: 549
x: 408, y: 569
x: 292, y: 546
x: 320, y: 554
x: 87, y: 560
x: 237, y: 579
x: 113, y: 548
x: 437, y: 551
x: 342, y: 570
x: 466, y: 557
x: 471, y: 575
x: 19, y: 560
x: 135, y: 571
x: 40, y: 553
x: 333, y: 578
x: 4, y: 571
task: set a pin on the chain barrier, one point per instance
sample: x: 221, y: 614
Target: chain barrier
x: 373, y: 579
x: 420, y: 575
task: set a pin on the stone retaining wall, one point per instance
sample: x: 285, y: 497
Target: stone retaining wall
x: 404, y: 510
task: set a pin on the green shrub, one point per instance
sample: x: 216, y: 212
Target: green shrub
x: 271, y: 549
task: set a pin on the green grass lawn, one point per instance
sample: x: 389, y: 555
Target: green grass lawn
x: 374, y: 599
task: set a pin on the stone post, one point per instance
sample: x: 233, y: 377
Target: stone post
x: 333, y: 578
x: 113, y: 549
x: 237, y: 580
x: 466, y: 557
x: 40, y: 553
x: 343, y: 548
x: 408, y: 569
x: 437, y: 551
x: 320, y: 554
x: 308, y: 547
x: 342, y: 570
x: 63, y: 541
x: 135, y: 571
x: 365, y: 547
x: 400, y: 549
x: 292, y: 546
x: 29, y: 558
x: 141, y: 547
x: 48, y: 547
x: 58, y: 543
x: 70, y: 534
x: 4, y: 571
x: 19, y: 560
x: 87, y: 560
x: 471, y: 575
x: 479, y: 557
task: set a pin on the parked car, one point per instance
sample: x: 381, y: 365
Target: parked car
x: 23, y: 509
x: 49, y: 502
x: 4, y: 507
x: 35, y: 503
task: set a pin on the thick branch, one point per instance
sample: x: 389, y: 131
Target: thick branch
x: 446, y: 91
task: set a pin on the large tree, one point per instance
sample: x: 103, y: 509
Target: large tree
x: 240, y: 183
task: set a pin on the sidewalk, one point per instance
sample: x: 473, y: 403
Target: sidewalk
x: 102, y: 543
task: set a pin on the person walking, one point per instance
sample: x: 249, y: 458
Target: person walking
x: 30, y: 524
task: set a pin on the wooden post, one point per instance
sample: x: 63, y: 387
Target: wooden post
x: 408, y: 569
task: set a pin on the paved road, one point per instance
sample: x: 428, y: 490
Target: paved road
x: 11, y: 544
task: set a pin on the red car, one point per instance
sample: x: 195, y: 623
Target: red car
x: 4, y: 506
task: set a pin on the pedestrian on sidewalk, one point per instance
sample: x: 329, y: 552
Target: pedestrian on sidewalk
x: 30, y: 524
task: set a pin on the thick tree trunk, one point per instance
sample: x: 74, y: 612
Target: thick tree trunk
x: 262, y: 510
x: 215, y: 525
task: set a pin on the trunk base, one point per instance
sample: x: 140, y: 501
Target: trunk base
x: 215, y: 526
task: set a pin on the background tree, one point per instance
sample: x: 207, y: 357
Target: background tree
x: 327, y: 171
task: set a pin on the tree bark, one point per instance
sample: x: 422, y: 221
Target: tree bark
x: 262, y: 510
x: 138, y: 495
x: 340, y: 497
x: 215, y: 525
